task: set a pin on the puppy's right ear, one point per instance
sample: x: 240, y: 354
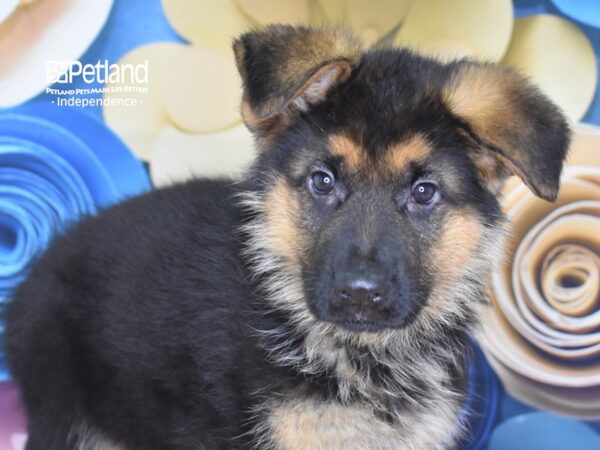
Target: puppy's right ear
x: 287, y: 69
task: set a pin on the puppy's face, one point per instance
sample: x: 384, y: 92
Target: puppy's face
x: 378, y: 230
x: 378, y: 175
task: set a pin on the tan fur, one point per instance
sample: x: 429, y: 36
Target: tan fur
x: 459, y: 239
x: 315, y: 425
x: 415, y: 150
x: 282, y: 231
x: 311, y: 425
x: 487, y: 97
x: 479, y: 95
x: 491, y: 171
x: 316, y: 87
x: 352, y: 154
x: 264, y: 130
x: 252, y: 121
x: 467, y: 248
x: 313, y: 48
x: 397, y: 158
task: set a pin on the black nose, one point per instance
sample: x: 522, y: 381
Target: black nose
x: 360, y: 290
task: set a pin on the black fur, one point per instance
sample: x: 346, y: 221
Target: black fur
x: 141, y: 321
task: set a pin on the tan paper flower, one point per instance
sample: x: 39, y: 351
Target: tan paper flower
x: 542, y: 331
x: 461, y: 28
x: 559, y: 58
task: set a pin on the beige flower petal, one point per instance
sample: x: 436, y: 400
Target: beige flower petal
x: 373, y: 19
x: 573, y: 222
x: 277, y: 11
x: 511, y: 298
x: 332, y: 11
x: 202, y: 90
x: 7, y: 7
x: 42, y: 32
x: 506, y: 344
x: 139, y: 125
x: 579, y: 403
x: 180, y: 156
x: 551, y: 50
x: 211, y: 23
x: 579, y: 264
x: 446, y: 30
x: 585, y: 149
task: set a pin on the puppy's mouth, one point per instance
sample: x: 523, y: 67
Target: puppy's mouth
x: 355, y: 318
x: 360, y: 323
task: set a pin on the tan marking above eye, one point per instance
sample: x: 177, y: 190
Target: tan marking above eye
x: 353, y: 155
x: 396, y: 158
x: 413, y: 150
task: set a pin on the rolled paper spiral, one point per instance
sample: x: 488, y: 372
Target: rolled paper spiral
x: 570, y: 279
x: 542, y: 331
x: 40, y: 194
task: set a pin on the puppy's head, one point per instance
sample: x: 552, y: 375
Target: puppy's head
x: 375, y: 192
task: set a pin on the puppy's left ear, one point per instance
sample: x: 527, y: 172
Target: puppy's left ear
x: 518, y: 130
x: 288, y: 69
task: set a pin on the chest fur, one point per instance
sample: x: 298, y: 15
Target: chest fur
x: 382, y: 402
x: 308, y: 424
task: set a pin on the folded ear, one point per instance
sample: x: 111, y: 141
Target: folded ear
x: 287, y: 69
x: 518, y: 130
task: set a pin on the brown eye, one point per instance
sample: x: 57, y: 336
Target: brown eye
x: 322, y: 183
x: 424, y: 193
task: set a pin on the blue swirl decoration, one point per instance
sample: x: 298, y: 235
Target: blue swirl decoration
x: 56, y: 165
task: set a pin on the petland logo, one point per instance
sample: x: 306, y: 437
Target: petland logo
x: 120, y: 84
x: 65, y: 72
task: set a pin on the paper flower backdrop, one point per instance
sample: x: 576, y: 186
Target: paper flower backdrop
x: 188, y: 124
x: 551, y: 50
x: 36, y: 32
x: 542, y: 332
x: 461, y: 28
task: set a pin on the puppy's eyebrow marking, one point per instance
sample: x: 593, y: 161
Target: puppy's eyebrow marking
x: 413, y: 150
x: 352, y: 154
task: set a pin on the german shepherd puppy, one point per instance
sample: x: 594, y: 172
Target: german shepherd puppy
x: 324, y: 302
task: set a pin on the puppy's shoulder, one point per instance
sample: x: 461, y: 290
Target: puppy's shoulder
x: 166, y: 215
x: 168, y: 231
